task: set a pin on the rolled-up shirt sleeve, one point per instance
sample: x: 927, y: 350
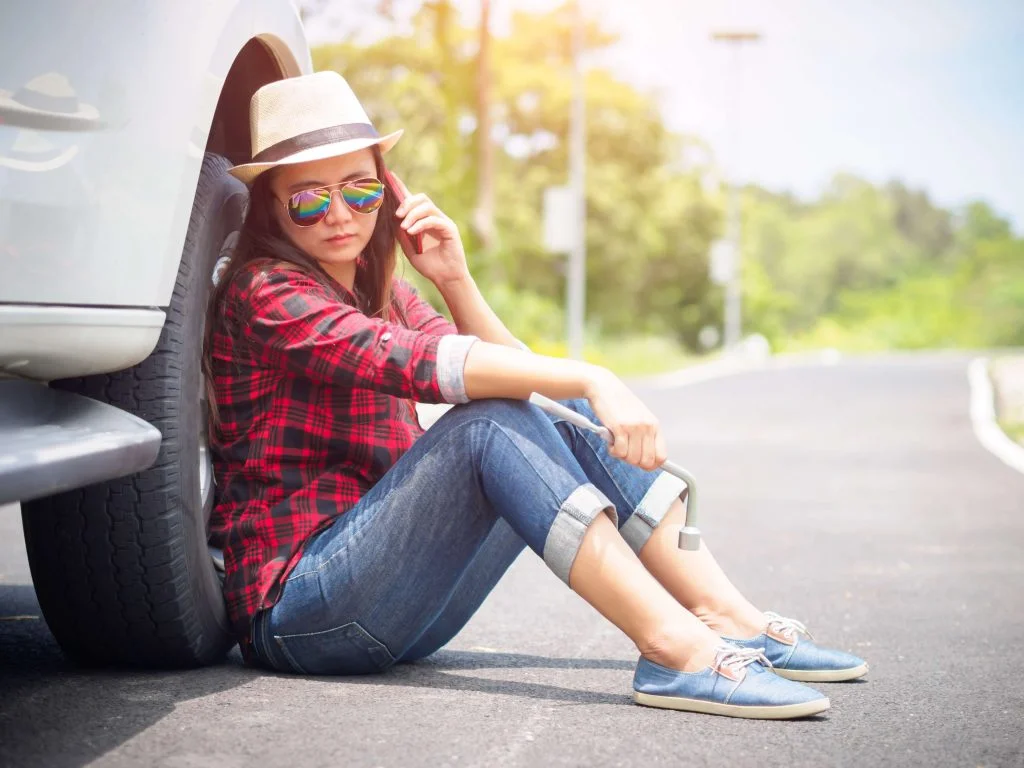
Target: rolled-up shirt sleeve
x: 298, y: 325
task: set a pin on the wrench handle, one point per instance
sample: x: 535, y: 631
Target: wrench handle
x: 689, y: 536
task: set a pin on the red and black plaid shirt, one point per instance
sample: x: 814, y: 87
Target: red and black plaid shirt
x: 314, y: 405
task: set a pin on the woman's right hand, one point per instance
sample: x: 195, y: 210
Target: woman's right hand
x: 495, y: 370
x: 637, y: 436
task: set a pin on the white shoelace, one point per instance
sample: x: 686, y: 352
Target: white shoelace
x: 735, y: 658
x: 786, y: 627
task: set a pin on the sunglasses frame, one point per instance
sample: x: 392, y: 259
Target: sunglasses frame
x: 330, y: 190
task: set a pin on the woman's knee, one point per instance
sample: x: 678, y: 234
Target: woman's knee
x: 518, y: 419
x: 499, y: 411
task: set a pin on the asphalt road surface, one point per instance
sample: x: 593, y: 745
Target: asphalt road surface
x: 853, y: 497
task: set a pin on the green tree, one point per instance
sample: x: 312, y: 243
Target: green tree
x: 649, y: 224
x: 863, y: 266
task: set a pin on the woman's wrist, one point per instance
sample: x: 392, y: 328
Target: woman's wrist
x: 453, y: 285
x: 591, y: 378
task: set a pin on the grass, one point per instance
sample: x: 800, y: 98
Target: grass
x: 1009, y: 419
x: 1014, y: 429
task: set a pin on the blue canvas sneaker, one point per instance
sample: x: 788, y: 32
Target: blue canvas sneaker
x: 787, y: 644
x: 737, y: 684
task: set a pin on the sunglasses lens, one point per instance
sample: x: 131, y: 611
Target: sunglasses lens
x: 364, y: 196
x: 309, y: 206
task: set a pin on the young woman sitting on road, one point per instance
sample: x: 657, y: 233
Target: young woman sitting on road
x: 352, y: 538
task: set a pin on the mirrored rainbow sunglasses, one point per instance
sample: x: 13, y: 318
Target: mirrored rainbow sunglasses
x: 310, y: 206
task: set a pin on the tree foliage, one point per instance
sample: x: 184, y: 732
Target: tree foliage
x: 864, y: 265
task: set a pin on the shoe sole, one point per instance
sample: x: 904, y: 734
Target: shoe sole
x: 780, y: 712
x: 822, y: 675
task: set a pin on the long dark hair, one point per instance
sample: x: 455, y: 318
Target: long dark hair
x: 261, y: 241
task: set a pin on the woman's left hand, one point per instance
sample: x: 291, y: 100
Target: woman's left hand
x: 442, y: 261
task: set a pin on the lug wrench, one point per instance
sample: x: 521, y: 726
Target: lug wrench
x: 689, y: 536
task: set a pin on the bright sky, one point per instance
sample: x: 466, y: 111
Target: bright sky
x: 927, y: 91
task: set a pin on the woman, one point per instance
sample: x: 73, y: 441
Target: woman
x: 352, y: 539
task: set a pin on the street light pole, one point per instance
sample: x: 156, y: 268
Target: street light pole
x: 576, y: 274
x: 483, y: 216
x: 734, y: 287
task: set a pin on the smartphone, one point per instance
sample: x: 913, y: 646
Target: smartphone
x: 411, y: 244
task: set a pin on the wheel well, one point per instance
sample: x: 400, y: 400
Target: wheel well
x: 254, y: 67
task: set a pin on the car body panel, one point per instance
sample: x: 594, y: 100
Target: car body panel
x: 52, y: 441
x: 105, y: 111
x: 50, y: 342
x: 95, y: 197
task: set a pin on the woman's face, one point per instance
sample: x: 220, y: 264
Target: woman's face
x: 337, y: 240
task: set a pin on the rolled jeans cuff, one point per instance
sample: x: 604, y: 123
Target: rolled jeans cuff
x: 574, y: 517
x: 651, y: 509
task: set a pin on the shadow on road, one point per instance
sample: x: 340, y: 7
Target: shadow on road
x: 55, y: 714
x: 452, y: 659
x: 443, y: 671
x: 422, y: 675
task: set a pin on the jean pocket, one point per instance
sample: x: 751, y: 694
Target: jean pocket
x: 345, y: 650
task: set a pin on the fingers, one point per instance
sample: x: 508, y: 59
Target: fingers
x: 647, y: 451
x: 418, y: 212
x: 653, y: 452
x: 641, y: 444
x: 636, y: 435
x: 636, y: 444
x: 660, y: 450
x: 619, y: 447
x: 437, y: 223
x: 418, y: 208
x: 409, y: 203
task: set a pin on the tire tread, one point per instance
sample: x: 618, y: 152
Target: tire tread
x: 109, y: 561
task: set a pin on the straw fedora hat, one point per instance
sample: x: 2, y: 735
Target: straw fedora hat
x: 48, y: 102
x: 305, y: 118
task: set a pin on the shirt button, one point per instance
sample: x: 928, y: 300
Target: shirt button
x: 385, y: 337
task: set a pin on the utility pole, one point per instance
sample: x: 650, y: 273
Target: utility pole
x: 576, y: 274
x: 484, y: 214
x: 734, y: 285
x: 444, y: 17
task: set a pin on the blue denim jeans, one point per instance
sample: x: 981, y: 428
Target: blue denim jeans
x: 398, y: 575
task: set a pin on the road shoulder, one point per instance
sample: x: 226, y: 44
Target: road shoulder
x: 999, y: 385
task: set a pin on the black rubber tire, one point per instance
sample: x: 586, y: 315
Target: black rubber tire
x: 121, y: 569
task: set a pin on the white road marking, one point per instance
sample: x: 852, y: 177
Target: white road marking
x: 983, y: 417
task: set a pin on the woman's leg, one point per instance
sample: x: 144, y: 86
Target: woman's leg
x: 370, y: 586
x: 697, y: 581
x: 651, y: 521
x: 483, y: 571
x: 651, y: 513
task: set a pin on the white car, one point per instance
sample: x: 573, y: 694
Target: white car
x: 118, y: 121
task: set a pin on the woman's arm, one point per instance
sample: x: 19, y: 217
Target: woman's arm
x: 496, y: 371
x: 445, y: 266
x: 472, y: 314
x: 493, y: 370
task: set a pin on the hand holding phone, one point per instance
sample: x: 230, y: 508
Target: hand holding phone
x: 411, y: 244
x: 431, y: 242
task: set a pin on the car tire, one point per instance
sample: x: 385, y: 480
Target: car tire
x: 121, y: 569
